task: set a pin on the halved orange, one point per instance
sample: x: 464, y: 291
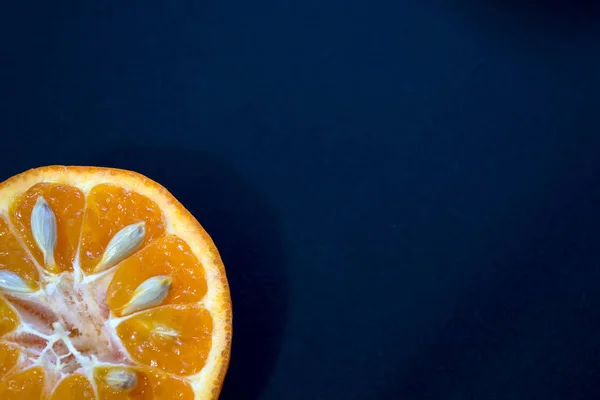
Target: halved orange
x: 109, y: 289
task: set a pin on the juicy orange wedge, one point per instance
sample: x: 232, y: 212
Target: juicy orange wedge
x: 109, y: 289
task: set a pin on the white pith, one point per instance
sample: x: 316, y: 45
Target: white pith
x: 91, y: 289
x: 82, y: 335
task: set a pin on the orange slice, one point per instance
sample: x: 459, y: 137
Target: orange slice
x: 109, y: 289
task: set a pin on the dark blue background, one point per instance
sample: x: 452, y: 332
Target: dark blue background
x: 406, y: 194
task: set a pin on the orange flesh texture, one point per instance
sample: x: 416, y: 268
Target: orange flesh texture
x: 168, y: 388
x: 67, y: 204
x: 14, y: 258
x: 168, y: 255
x: 9, y: 355
x: 141, y: 391
x: 28, y: 384
x: 74, y: 387
x: 175, y: 338
x: 90, y: 222
x: 109, y: 209
x: 9, y: 320
x: 150, y: 385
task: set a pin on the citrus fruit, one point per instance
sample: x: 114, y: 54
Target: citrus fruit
x: 109, y: 289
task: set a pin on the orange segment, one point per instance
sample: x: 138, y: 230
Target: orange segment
x: 74, y: 387
x: 28, y: 384
x: 141, y: 390
x: 109, y: 209
x: 166, y: 256
x: 67, y: 203
x: 175, y: 338
x: 14, y: 258
x: 9, y: 320
x: 151, y: 384
x: 9, y: 355
x: 166, y: 387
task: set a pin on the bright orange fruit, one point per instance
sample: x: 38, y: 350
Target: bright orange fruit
x: 109, y: 289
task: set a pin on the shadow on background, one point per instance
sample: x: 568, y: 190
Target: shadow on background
x: 247, y: 234
x: 533, y: 332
